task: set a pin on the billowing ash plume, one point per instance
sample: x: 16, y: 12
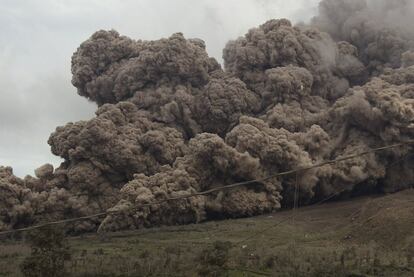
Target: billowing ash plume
x: 380, y: 29
x: 172, y: 122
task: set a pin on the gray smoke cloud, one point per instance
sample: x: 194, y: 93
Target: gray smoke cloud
x: 171, y: 122
x: 39, y: 37
x: 379, y: 29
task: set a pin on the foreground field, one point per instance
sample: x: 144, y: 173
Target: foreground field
x: 369, y: 236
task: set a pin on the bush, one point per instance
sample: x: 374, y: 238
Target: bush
x: 49, y: 251
x: 213, y: 260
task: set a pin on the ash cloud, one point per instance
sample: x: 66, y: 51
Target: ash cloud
x: 172, y: 122
x: 379, y: 29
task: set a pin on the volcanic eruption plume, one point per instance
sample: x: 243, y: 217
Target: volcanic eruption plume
x: 172, y: 122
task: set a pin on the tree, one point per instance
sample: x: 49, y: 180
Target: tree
x: 213, y: 260
x: 49, y: 251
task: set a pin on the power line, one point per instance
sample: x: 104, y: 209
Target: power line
x: 286, y: 219
x: 295, y: 206
x: 213, y: 189
x: 293, y: 212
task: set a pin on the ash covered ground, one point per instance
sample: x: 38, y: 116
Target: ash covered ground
x: 171, y: 121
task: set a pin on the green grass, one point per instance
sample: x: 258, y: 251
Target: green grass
x: 371, y: 236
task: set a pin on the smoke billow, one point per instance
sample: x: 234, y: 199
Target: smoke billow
x: 380, y: 29
x: 172, y: 122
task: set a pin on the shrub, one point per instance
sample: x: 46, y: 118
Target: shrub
x: 213, y: 260
x: 49, y: 251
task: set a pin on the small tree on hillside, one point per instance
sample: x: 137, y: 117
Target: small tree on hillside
x: 213, y: 260
x: 48, y: 255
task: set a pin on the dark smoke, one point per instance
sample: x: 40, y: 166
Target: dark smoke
x: 380, y: 29
x: 172, y: 122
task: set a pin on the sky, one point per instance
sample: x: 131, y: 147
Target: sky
x: 38, y: 38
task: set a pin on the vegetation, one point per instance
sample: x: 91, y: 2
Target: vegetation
x: 49, y: 252
x: 363, y: 237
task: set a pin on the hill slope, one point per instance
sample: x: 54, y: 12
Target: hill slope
x: 368, y: 236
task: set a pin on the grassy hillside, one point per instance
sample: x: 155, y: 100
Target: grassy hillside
x: 369, y: 236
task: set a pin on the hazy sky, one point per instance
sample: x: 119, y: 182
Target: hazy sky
x: 38, y: 37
